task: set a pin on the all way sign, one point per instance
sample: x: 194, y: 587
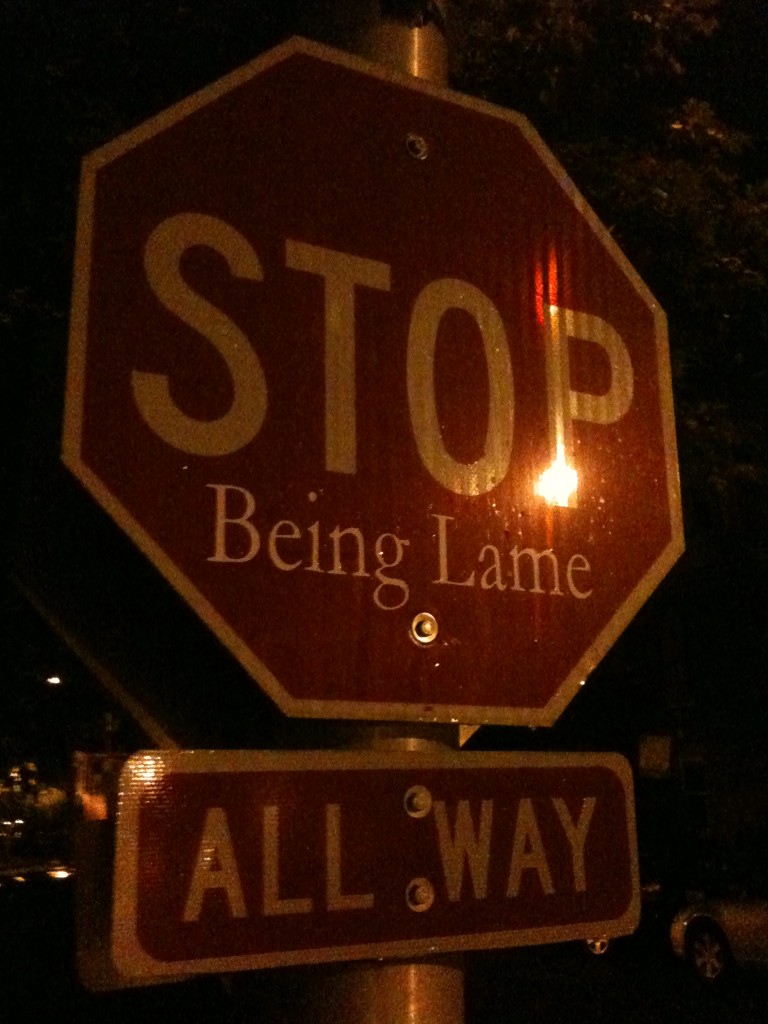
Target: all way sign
x: 237, y: 860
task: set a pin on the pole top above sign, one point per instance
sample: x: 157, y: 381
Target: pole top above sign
x: 356, y: 366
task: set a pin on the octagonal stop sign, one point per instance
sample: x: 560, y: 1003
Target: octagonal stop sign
x: 357, y: 368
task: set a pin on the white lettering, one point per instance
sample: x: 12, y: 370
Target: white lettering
x: 237, y: 539
x: 566, y: 404
x: 442, y: 548
x: 493, y: 576
x: 535, y: 558
x: 576, y: 834
x: 151, y: 391
x: 528, y: 852
x: 215, y: 868
x: 464, y: 845
x: 336, y: 535
x: 335, y: 899
x: 284, y: 530
x: 495, y: 573
x: 577, y: 563
x: 386, y: 581
x: 434, y: 300
x: 223, y: 520
x: 274, y: 904
x: 342, y: 274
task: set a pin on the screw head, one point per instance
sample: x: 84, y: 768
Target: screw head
x: 419, y: 895
x: 418, y: 801
x: 424, y: 628
x: 416, y: 146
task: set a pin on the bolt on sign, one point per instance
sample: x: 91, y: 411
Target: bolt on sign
x: 236, y: 860
x: 358, y: 369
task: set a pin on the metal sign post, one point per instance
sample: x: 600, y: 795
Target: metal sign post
x: 419, y: 991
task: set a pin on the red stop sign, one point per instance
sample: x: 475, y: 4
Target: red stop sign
x: 357, y: 368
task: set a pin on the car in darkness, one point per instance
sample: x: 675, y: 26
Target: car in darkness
x: 714, y: 936
x: 658, y: 904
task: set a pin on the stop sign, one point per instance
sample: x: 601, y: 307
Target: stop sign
x: 354, y: 364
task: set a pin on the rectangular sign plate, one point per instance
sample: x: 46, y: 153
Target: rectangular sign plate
x: 237, y: 860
